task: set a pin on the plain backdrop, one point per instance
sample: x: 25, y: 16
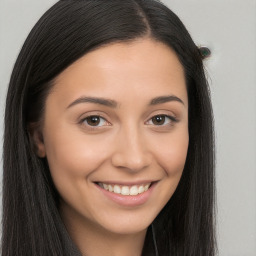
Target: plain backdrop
x: 228, y: 28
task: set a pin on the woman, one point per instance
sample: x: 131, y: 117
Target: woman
x: 108, y: 144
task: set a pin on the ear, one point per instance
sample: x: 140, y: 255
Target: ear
x: 37, y: 139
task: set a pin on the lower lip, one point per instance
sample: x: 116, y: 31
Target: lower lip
x: 128, y: 200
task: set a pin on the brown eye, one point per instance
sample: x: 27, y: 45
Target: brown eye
x: 162, y: 120
x: 159, y: 120
x: 94, y: 121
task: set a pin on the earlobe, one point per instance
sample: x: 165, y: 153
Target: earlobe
x: 37, y: 139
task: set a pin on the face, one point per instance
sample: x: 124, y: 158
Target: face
x: 117, y: 119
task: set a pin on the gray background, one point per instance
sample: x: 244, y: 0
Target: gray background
x: 229, y: 29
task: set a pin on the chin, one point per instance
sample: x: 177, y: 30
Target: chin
x: 127, y: 225
x: 128, y: 229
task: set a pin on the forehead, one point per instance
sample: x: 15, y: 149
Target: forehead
x: 143, y: 67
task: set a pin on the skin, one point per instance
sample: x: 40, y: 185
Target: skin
x: 126, y: 146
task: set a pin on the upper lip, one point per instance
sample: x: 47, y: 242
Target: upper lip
x: 128, y: 183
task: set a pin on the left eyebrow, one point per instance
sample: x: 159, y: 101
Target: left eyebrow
x: 164, y: 99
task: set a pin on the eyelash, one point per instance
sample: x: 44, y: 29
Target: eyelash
x: 172, y: 120
x: 92, y: 127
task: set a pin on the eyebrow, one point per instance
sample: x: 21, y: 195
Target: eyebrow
x: 114, y: 104
x: 95, y: 100
x: 164, y: 99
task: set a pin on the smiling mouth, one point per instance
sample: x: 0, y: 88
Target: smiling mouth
x: 125, y: 190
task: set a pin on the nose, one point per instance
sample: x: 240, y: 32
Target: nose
x: 131, y: 151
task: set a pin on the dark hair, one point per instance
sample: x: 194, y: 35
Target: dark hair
x: 67, y: 31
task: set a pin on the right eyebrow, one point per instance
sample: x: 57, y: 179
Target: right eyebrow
x: 96, y: 100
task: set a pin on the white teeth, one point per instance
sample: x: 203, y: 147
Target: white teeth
x: 117, y: 189
x: 146, y: 187
x: 141, y: 189
x: 134, y: 191
x: 126, y: 190
x: 110, y: 188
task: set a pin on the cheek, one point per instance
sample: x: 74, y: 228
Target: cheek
x: 172, y: 152
x: 72, y: 157
x: 172, y: 157
x: 72, y: 161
